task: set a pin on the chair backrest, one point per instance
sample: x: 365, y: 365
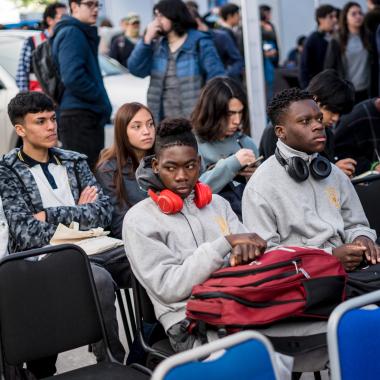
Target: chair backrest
x: 245, y: 355
x: 353, y: 335
x: 143, y: 305
x: 48, y: 305
x: 368, y: 191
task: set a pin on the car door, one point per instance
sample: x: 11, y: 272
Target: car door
x: 8, y: 90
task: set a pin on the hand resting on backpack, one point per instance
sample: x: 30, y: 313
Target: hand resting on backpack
x: 245, y: 248
x: 351, y: 255
x: 372, y: 251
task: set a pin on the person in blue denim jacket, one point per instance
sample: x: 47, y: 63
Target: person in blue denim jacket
x: 178, y: 58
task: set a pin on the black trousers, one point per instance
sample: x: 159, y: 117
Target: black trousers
x: 43, y: 367
x: 82, y: 131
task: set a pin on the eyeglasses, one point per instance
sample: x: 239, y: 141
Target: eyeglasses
x: 92, y: 4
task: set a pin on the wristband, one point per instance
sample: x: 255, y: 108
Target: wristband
x: 374, y: 164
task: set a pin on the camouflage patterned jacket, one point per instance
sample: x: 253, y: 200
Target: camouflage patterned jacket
x: 21, y: 200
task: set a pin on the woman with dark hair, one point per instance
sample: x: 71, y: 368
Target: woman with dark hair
x: 220, y: 121
x: 178, y: 58
x: 115, y: 170
x: 350, y: 52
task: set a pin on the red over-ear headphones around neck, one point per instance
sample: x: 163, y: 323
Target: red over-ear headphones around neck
x: 171, y: 203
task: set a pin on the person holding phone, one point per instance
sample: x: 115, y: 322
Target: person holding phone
x: 178, y: 58
x: 220, y: 122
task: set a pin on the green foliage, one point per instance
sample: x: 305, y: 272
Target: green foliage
x: 28, y: 3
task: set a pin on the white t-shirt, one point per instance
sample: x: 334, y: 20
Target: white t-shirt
x: 62, y: 195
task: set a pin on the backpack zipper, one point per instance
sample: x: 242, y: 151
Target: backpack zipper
x: 271, y: 278
x: 242, y: 301
x: 259, y: 270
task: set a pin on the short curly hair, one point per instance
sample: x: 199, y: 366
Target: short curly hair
x: 281, y: 102
x: 172, y: 132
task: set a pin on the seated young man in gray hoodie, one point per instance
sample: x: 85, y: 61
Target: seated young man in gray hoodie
x: 297, y: 197
x: 182, y: 233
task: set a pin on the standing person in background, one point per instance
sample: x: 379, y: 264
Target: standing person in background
x: 226, y: 47
x: 229, y: 21
x: 270, y: 48
x: 349, y: 53
x: 220, y: 122
x: 314, y: 52
x: 25, y: 79
x: 178, y: 58
x: 371, y: 23
x: 294, y: 56
x: 123, y: 44
x: 106, y: 32
x: 84, y: 108
x: 268, y: 32
x: 372, y: 17
x: 116, y: 169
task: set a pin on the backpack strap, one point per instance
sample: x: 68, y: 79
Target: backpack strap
x: 201, y: 331
x: 38, y: 39
x: 291, y: 345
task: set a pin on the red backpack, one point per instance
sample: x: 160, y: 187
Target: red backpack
x: 284, y: 282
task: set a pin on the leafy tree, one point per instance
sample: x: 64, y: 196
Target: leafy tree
x: 28, y: 3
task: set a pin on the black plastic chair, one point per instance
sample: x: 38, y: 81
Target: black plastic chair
x: 157, y: 346
x: 50, y: 305
x: 368, y: 190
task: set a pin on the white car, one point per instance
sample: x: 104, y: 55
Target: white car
x: 121, y: 86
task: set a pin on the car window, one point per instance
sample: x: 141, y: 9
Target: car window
x: 10, y: 47
x: 109, y: 66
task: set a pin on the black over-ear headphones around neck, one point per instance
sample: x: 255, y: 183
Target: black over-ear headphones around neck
x: 297, y: 168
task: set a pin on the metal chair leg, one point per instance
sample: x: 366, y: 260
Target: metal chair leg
x: 124, y: 318
x: 132, y: 318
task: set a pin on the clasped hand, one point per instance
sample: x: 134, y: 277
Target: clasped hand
x: 245, y: 248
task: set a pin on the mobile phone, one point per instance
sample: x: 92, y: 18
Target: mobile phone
x: 255, y: 163
x: 267, y: 47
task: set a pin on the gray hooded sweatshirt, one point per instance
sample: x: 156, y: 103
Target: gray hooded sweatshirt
x: 322, y: 213
x: 169, y: 254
